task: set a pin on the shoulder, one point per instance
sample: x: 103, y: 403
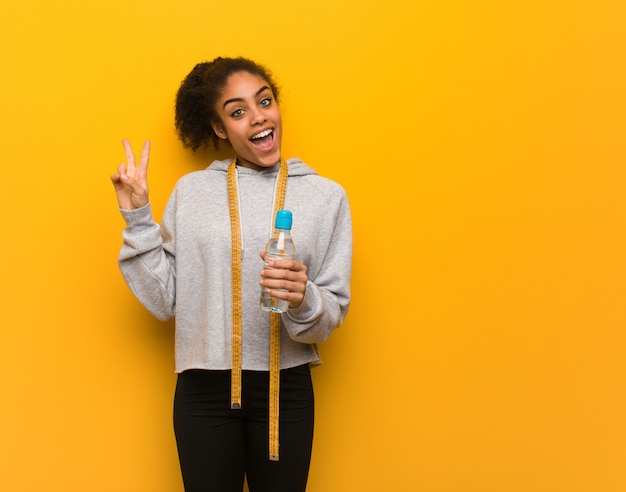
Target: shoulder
x: 305, y: 176
x: 202, y: 176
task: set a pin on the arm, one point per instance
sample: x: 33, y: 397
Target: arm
x: 319, y: 303
x: 147, y: 262
x: 146, y: 258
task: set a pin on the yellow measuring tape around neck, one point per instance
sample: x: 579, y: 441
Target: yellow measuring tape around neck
x: 235, y: 228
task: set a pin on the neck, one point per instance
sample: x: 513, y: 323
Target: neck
x: 251, y: 165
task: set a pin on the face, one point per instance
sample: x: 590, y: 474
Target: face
x: 250, y: 120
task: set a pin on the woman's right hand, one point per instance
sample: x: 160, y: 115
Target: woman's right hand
x: 131, y: 182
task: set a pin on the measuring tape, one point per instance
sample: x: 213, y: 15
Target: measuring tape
x: 235, y: 228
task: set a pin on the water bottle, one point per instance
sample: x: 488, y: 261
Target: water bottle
x: 280, y: 246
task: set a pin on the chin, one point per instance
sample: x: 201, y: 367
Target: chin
x: 270, y: 161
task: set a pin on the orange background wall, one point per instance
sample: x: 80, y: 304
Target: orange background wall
x: 482, y: 147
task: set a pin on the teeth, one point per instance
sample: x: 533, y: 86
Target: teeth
x: 262, y: 134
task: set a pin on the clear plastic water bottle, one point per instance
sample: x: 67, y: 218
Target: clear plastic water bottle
x: 280, y: 246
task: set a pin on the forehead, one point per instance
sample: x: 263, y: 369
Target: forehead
x: 243, y: 85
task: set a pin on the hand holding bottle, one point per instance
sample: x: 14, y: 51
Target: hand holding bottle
x: 283, y: 280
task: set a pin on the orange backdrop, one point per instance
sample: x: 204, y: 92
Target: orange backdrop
x: 482, y: 147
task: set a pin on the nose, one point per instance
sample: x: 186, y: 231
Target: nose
x: 257, y: 117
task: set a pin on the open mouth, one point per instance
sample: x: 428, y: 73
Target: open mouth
x: 263, y: 140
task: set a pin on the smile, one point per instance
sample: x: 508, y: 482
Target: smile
x: 264, y: 140
x: 262, y: 134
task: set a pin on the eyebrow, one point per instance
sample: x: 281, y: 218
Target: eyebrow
x: 239, y: 99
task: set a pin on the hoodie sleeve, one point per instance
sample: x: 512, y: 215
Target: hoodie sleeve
x: 327, y: 295
x: 147, y: 260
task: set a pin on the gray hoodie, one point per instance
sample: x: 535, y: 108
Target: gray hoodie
x: 182, y: 268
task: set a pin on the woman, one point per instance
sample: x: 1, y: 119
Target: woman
x: 244, y: 388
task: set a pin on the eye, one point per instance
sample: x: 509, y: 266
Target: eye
x: 237, y: 113
x: 265, y: 102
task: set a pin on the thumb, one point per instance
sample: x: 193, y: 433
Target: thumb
x: 139, y: 193
x: 132, y: 183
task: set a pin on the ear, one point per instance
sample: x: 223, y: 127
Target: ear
x: 219, y: 130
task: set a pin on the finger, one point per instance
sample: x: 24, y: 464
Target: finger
x: 293, y: 265
x: 132, y: 183
x: 288, y: 291
x: 121, y: 168
x: 282, y: 279
x: 119, y: 185
x: 145, y: 158
x: 130, y: 157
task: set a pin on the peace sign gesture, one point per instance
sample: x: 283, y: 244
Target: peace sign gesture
x: 130, y: 182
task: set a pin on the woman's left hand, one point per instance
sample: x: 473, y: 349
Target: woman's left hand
x: 288, y: 275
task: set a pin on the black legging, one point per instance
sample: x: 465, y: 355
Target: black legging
x: 217, y: 446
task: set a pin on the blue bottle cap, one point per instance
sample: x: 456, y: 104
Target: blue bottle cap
x: 283, y: 219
